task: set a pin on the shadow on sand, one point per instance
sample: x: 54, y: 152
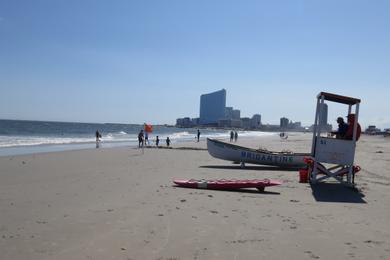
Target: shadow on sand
x: 252, y: 167
x: 252, y: 191
x: 336, y: 192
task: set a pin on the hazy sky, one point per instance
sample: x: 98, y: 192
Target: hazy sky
x: 149, y: 61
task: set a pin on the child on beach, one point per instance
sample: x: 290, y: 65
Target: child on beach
x: 141, y: 138
x: 168, y: 141
x: 157, y: 141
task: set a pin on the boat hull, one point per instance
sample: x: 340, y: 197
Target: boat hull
x: 235, y: 153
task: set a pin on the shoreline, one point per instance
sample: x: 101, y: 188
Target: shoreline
x: 47, y: 148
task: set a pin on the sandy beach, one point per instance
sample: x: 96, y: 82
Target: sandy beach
x: 120, y: 203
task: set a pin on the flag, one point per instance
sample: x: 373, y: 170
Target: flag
x: 148, y: 128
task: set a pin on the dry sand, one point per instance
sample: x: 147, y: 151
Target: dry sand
x: 118, y: 203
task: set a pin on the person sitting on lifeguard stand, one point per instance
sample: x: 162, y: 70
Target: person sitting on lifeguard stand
x: 342, y: 130
x: 351, y: 123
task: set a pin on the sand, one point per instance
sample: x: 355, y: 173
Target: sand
x: 120, y: 203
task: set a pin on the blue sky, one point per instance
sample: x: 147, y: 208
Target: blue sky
x: 149, y: 61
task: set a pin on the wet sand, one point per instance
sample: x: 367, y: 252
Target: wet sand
x: 120, y: 203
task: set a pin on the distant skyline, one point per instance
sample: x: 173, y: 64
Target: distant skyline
x: 150, y: 61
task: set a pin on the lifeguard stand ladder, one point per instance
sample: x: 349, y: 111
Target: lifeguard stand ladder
x: 339, y: 153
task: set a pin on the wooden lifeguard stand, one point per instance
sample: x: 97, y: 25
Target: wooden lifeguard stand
x: 338, y: 153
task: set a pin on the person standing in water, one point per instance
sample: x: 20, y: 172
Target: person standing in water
x: 168, y: 141
x: 198, y: 135
x: 231, y: 136
x: 157, y: 141
x: 235, y: 136
x: 146, y: 138
x: 98, y: 136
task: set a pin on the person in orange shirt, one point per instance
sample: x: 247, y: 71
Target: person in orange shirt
x: 351, y: 122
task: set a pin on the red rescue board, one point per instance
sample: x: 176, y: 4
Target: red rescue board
x: 224, y: 184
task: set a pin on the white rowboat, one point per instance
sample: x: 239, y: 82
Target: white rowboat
x: 235, y: 153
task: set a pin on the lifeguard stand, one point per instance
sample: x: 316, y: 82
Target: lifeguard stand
x: 339, y: 153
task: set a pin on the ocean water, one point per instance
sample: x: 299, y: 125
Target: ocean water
x: 25, y: 137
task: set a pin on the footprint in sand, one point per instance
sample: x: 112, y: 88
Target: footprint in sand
x: 312, y: 255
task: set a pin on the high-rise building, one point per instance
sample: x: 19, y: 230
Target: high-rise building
x: 284, y: 122
x: 228, y: 112
x: 212, y: 107
x: 256, y: 121
x: 236, y: 114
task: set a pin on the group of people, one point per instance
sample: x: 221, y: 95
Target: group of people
x: 233, y: 136
x: 143, y: 138
x: 345, y: 130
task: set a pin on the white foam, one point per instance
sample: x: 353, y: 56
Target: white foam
x: 13, y: 141
x: 118, y: 137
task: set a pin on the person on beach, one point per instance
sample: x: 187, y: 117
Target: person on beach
x: 168, y: 141
x: 342, y: 129
x: 235, y: 136
x: 98, y: 136
x: 146, y: 138
x: 141, y: 139
x: 231, y: 136
x: 157, y: 141
x: 198, y: 135
x: 349, y: 133
x: 283, y: 135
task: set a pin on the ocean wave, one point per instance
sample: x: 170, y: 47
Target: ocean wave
x: 16, y: 141
x: 254, y: 133
x: 13, y: 141
x: 119, y: 137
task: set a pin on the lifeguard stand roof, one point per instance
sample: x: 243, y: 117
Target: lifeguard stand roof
x: 339, y: 98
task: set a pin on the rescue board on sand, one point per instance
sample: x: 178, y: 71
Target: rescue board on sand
x: 224, y: 184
